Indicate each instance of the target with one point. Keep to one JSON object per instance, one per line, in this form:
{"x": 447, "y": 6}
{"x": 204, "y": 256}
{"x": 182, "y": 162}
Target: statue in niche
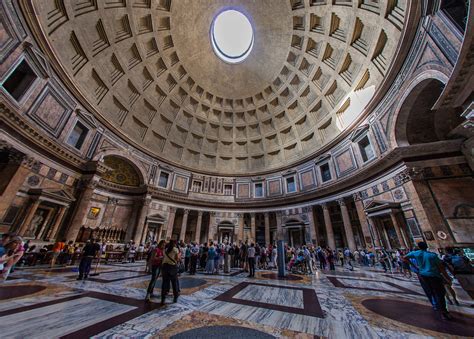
{"x": 36, "y": 223}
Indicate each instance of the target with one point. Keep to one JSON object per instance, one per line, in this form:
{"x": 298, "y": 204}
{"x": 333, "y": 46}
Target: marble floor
{"x": 51, "y": 303}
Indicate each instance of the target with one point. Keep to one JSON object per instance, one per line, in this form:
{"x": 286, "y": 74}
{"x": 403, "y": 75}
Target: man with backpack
{"x": 348, "y": 256}
{"x": 431, "y": 272}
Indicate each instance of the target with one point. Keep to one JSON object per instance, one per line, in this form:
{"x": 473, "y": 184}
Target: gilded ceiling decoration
{"x": 122, "y": 172}
{"x": 147, "y": 68}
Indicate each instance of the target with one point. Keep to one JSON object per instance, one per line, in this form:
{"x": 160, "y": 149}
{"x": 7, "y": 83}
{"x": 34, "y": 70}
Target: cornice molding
{"x": 33, "y": 135}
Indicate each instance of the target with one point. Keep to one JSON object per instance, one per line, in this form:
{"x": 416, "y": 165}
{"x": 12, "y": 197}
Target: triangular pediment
{"x": 322, "y": 158}
{"x": 377, "y": 205}
{"x": 87, "y": 118}
{"x": 157, "y": 218}
{"x": 359, "y": 132}
{"x": 53, "y": 195}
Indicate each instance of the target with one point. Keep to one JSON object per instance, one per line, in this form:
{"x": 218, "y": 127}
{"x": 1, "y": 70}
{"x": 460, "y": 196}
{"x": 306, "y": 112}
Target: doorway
{"x": 296, "y": 236}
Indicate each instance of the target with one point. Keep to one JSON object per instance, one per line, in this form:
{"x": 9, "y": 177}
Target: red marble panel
{"x": 344, "y": 161}
{"x": 244, "y": 190}
{"x": 307, "y": 179}
{"x": 274, "y": 187}
{"x": 180, "y": 183}
{"x": 50, "y": 111}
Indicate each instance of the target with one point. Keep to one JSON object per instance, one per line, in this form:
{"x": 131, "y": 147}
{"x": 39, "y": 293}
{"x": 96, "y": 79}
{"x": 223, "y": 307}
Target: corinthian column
{"x": 253, "y": 234}
{"x": 397, "y": 226}
{"x": 184, "y": 225}
{"x": 139, "y": 234}
{"x": 267, "y": 228}
{"x": 57, "y": 223}
{"x": 82, "y": 208}
{"x": 169, "y": 227}
{"x": 197, "y": 238}
{"x": 347, "y": 225}
{"x": 29, "y": 217}
{"x": 240, "y": 235}
{"x": 328, "y": 226}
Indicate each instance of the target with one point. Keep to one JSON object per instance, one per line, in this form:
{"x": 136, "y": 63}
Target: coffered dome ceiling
{"x": 147, "y": 69}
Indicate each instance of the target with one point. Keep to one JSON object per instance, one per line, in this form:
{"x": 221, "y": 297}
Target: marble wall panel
{"x": 50, "y": 111}
{"x": 455, "y": 199}
{"x": 180, "y": 183}
{"x": 274, "y": 187}
{"x": 121, "y": 216}
{"x": 307, "y": 179}
{"x": 243, "y": 190}
{"x": 8, "y": 39}
{"x": 345, "y": 162}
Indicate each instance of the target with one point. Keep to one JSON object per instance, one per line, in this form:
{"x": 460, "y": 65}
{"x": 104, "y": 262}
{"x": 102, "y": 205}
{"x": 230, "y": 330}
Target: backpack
{"x": 231, "y": 251}
{"x": 461, "y": 264}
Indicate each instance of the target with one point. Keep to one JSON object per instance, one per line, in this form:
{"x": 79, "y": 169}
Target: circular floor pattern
{"x": 421, "y": 316}
{"x": 276, "y": 277}
{"x": 10, "y": 292}
{"x": 219, "y": 332}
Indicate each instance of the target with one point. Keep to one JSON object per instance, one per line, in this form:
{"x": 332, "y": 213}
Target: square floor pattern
{"x": 274, "y": 297}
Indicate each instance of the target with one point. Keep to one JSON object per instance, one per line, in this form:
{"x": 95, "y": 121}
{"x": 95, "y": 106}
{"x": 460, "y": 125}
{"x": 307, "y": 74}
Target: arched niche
{"x": 416, "y": 122}
{"x": 123, "y": 171}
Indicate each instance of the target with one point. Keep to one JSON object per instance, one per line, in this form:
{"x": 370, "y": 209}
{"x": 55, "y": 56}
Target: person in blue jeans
{"x": 90, "y": 251}
{"x": 430, "y": 273}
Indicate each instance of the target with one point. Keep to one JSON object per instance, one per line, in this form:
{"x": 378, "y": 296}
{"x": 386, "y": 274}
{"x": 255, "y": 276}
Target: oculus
{"x": 232, "y": 36}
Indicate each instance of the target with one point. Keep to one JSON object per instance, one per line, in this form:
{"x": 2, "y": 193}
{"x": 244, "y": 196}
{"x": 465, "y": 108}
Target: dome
{"x": 149, "y": 71}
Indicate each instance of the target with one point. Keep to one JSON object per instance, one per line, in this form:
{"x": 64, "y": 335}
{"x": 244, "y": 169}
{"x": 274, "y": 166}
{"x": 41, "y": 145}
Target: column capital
{"x": 172, "y": 210}
{"x": 30, "y": 162}
{"x": 5, "y": 146}
{"x": 252, "y": 214}
{"x": 88, "y": 183}
{"x": 16, "y": 157}
{"x": 324, "y": 205}
{"x": 200, "y": 213}
{"x": 112, "y": 201}
{"x": 341, "y": 202}
{"x": 186, "y": 211}
{"x": 410, "y": 173}
{"x": 357, "y": 196}
{"x": 267, "y": 214}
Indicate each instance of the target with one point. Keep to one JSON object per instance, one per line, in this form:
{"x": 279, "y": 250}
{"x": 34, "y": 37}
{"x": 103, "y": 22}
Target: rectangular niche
{"x": 78, "y": 135}
{"x": 19, "y": 81}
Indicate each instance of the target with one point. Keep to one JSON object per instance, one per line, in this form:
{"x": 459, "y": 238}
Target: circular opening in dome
{"x": 232, "y": 36}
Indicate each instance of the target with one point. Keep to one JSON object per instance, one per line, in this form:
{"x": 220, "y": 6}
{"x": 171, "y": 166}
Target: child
{"x": 448, "y": 286}
{"x": 10, "y": 253}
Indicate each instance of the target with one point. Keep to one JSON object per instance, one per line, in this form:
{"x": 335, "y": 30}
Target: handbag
{"x": 180, "y": 268}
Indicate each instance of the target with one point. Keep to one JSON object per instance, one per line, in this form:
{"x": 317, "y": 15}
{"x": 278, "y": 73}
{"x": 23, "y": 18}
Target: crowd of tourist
{"x": 170, "y": 259}
{"x": 434, "y": 273}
